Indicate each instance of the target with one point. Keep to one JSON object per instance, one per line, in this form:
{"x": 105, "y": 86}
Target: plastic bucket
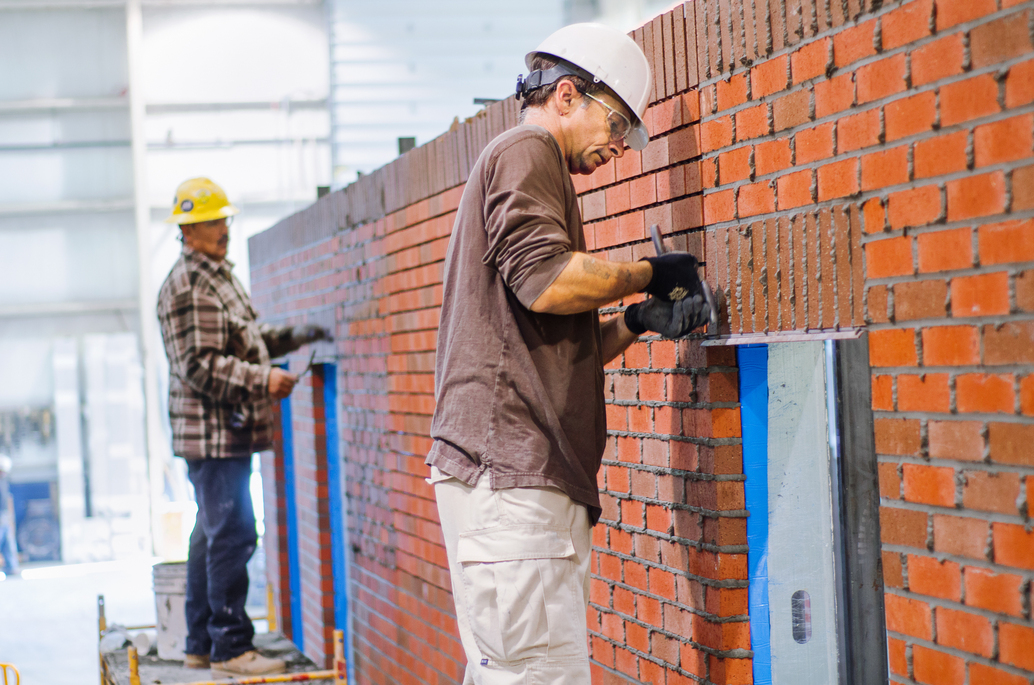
{"x": 170, "y": 596}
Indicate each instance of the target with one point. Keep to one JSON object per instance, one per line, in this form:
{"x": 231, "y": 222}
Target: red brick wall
{"x": 846, "y": 163}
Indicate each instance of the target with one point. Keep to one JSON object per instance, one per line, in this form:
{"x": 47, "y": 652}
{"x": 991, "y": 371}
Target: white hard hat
{"x": 5, "y": 463}
{"x": 611, "y": 57}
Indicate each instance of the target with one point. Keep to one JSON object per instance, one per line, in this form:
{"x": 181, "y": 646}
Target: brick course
{"x": 838, "y": 165}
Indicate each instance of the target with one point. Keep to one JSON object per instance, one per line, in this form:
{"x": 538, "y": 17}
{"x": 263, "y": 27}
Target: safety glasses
{"x": 618, "y": 122}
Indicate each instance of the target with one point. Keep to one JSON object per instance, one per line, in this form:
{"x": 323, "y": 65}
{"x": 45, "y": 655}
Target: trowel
{"x": 658, "y": 246}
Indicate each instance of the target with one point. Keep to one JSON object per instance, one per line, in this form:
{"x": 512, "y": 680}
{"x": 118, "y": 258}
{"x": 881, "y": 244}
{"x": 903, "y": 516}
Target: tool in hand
{"x": 308, "y": 368}
{"x": 658, "y": 246}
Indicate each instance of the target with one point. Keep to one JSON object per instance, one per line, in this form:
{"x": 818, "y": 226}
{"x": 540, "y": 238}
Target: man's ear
{"x": 565, "y": 97}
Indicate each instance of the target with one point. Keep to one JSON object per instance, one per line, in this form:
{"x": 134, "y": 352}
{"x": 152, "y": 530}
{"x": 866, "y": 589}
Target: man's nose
{"x": 617, "y": 147}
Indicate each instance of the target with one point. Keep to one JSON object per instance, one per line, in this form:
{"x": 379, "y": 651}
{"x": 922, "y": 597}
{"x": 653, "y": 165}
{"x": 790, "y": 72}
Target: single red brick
{"x": 1011, "y": 241}
{"x": 720, "y": 206}
{"x": 752, "y": 123}
{"x": 896, "y": 654}
{"x": 1000, "y": 40}
{"x": 897, "y": 436}
{"x": 1019, "y": 85}
{"x": 920, "y": 300}
{"x": 880, "y": 79}
{"x": 952, "y": 12}
{"x": 834, "y": 95}
{"x": 945, "y": 250}
{"x": 903, "y": 527}
{"x": 858, "y": 131}
{"x": 907, "y": 24}
{"x": 1001, "y": 593}
{"x": 928, "y": 576}
{"x": 1027, "y": 395}
{"x": 839, "y": 179}
{"x": 812, "y": 144}
{"x": 1003, "y": 141}
{"x": 810, "y": 61}
{"x": 950, "y": 346}
{"x": 772, "y": 156}
{"x": 929, "y": 392}
{"x": 991, "y": 491}
{"x": 716, "y": 134}
{"x": 970, "y": 99}
{"x": 874, "y": 216}
{"x": 937, "y": 668}
{"x": 757, "y": 198}
{"x": 883, "y": 393}
{"x": 965, "y": 537}
{"x": 1016, "y": 645}
{"x": 893, "y": 576}
{"x": 769, "y": 76}
{"x": 981, "y": 295}
{"x": 965, "y": 631}
{"x": 915, "y": 207}
{"x": 940, "y": 59}
{"x": 929, "y": 484}
{"x": 889, "y": 257}
{"x": 794, "y": 190}
{"x": 1024, "y": 284}
{"x": 1009, "y": 343}
{"x": 909, "y": 116}
{"x": 876, "y": 304}
{"x": 892, "y": 347}
{"x": 986, "y": 393}
{"x": 975, "y": 196}
{"x": 886, "y": 168}
{"x": 791, "y": 110}
{"x": 979, "y": 674}
{"x": 734, "y": 165}
{"x": 732, "y": 91}
{"x": 908, "y": 616}
{"x": 958, "y": 440}
{"x": 890, "y": 481}
{"x": 941, "y": 155}
{"x": 1010, "y": 444}
{"x": 853, "y": 44}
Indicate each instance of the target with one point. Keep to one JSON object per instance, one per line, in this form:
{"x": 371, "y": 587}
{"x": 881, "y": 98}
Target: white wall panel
{"x": 62, "y": 54}
{"x": 62, "y": 126}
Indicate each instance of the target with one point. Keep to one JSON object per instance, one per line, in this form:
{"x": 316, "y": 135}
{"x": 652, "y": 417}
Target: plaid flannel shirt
{"x": 219, "y": 361}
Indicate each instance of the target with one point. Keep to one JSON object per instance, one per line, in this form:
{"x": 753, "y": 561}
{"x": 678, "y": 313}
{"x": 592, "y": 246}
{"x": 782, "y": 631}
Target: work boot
{"x": 195, "y": 660}
{"x": 249, "y": 663}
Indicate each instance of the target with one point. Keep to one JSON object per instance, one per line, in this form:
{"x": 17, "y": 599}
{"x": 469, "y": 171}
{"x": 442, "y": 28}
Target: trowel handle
{"x": 655, "y": 233}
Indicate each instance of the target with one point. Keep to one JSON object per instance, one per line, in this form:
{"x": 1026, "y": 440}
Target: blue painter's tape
{"x": 338, "y": 529}
{"x": 291, "y": 502}
{"x": 753, "y": 366}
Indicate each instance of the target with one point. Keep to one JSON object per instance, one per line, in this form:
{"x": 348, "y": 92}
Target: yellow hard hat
{"x": 197, "y": 200}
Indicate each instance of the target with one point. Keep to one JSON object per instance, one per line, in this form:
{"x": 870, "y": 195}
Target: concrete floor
{"x": 48, "y": 617}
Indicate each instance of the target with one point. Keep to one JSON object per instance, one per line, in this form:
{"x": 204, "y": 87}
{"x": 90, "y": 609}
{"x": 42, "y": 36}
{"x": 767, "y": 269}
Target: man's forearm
{"x": 616, "y": 337}
{"x": 588, "y": 283}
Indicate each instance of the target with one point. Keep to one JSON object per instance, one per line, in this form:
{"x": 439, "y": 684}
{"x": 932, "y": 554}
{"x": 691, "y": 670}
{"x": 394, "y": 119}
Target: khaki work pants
{"x": 519, "y": 561}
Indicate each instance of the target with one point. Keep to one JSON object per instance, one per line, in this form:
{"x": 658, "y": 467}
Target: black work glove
{"x": 670, "y": 319}
{"x": 303, "y": 335}
{"x": 674, "y": 276}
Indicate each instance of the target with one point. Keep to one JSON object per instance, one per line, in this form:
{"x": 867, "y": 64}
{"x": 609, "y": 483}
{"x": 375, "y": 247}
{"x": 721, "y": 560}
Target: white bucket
{"x": 170, "y": 597}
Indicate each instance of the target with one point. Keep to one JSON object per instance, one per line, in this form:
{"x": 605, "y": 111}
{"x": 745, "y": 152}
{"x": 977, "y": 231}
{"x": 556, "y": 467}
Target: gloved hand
{"x": 670, "y": 319}
{"x": 302, "y": 335}
{"x": 674, "y": 276}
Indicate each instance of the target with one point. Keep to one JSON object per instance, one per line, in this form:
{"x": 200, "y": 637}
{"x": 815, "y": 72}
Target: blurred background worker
{"x": 8, "y": 544}
{"x": 519, "y": 427}
{"x": 221, "y": 393}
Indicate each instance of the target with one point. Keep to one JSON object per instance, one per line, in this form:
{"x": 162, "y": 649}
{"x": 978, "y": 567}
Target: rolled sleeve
{"x": 528, "y": 242}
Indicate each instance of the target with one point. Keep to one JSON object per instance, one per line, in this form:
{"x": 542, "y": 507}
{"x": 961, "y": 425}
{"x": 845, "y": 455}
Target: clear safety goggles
{"x": 618, "y": 122}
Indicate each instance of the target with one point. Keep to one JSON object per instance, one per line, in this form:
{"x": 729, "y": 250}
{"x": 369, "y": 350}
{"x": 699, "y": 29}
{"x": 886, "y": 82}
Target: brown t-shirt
{"x": 519, "y": 394}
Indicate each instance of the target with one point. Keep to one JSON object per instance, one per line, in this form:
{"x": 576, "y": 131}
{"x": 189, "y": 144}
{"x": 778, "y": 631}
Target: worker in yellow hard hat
{"x": 222, "y": 388}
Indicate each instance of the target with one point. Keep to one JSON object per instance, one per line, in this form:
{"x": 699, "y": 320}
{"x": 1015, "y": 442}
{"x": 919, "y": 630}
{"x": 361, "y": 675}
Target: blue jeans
{"x": 8, "y": 548}
{"x": 223, "y": 540}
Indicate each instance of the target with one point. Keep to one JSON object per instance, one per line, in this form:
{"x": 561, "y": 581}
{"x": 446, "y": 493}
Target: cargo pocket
{"x": 524, "y": 593}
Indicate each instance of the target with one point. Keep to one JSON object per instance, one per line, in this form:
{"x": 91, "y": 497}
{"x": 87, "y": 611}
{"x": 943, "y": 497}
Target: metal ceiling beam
{"x": 67, "y": 207}
{"x": 61, "y": 104}
{"x": 191, "y": 107}
{"x": 62, "y": 308}
{"x": 64, "y": 5}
